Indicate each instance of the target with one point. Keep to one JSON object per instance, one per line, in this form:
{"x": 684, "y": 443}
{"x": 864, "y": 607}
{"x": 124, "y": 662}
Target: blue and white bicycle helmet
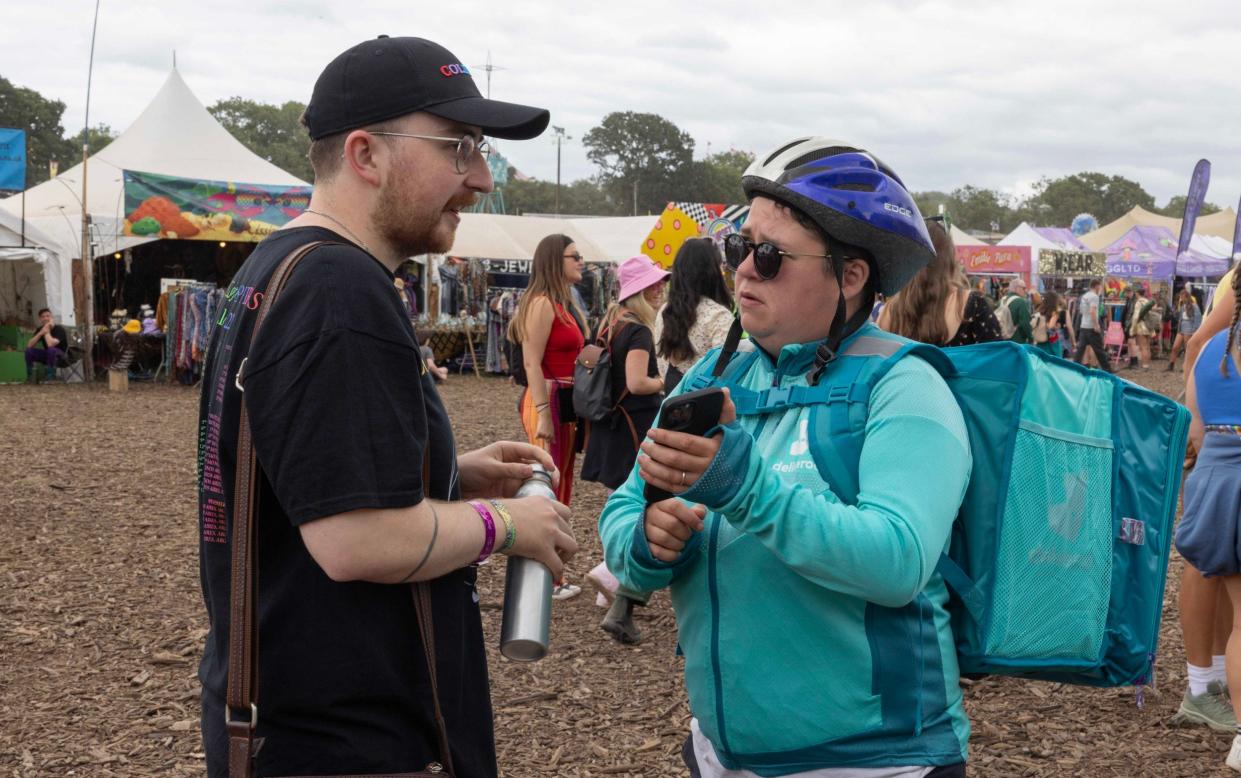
{"x": 853, "y": 197}
{"x": 856, "y": 201}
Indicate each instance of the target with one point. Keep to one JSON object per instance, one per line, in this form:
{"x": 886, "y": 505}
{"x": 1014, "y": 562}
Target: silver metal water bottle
{"x": 524, "y": 632}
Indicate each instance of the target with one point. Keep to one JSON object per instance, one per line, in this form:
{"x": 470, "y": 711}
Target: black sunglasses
{"x": 767, "y": 257}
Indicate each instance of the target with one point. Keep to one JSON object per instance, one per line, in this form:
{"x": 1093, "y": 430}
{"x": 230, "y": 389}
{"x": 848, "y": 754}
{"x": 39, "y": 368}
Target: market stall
{"x": 1146, "y": 256}
{"x": 175, "y": 195}
{"x": 990, "y": 268}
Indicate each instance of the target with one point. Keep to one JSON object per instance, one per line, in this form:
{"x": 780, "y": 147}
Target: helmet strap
{"x": 841, "y": 327}
{"x": 730, "y": 347}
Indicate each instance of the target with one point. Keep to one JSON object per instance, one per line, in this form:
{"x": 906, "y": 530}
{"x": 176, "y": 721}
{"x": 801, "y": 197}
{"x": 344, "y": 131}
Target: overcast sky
{"x": 994, "y": 93}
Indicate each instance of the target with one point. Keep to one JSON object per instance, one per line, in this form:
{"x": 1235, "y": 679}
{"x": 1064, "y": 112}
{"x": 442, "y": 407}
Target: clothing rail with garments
{"x": 186, "y": 314}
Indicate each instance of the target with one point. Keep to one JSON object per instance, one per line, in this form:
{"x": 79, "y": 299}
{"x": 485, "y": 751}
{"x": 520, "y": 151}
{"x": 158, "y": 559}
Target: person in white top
{"x": 698, "y": 313}
{"x": 1088, "y": 332}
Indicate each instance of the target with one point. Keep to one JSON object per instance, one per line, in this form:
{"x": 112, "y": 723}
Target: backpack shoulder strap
{"x": 841, "y": 424}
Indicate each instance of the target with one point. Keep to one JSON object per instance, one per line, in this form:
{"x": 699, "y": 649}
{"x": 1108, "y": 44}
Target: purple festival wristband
{"x": 489, "y": 526}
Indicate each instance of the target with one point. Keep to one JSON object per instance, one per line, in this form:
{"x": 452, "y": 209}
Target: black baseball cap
{"x": 387, "y": 77}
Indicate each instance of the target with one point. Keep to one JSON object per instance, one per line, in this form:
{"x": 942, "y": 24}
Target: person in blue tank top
{"x": 814, "y": 628}
{"x": 1208, "y": 536}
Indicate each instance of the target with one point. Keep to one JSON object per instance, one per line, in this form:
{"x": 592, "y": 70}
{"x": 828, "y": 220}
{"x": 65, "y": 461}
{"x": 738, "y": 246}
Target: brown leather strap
{"x": 616, "y": 406}
{"x": 243, "y": 639}
{"x": 426, "y": 627}
{"x": 633, "y": 431}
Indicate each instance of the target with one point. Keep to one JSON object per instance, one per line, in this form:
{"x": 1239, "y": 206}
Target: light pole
{"x": 88, "y": 262}
{"x": 558, "y": 133}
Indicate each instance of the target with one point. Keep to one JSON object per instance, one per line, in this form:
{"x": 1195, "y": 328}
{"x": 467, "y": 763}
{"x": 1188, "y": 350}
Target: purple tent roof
{"x": 1150, "y": 252}
{"x": 1062, "y": 236}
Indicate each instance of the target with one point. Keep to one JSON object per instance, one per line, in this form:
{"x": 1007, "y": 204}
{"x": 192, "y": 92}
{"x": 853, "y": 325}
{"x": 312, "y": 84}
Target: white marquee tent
{"x": 604, "y": 239}
{"x": 173, "y": 136}
{"x": 31, "y": 275}
{"x": 1037, "y": 239}
{"x": 962, "y": 238}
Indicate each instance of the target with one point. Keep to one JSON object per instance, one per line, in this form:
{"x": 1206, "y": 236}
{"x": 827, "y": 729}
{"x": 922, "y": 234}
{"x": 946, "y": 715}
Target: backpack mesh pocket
{"x": 1053, "y": 569}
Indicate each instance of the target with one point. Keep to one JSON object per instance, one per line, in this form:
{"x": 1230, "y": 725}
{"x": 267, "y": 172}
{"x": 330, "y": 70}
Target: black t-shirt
{"x": 630, "y": 336}
{"x": 57, "y": 332}
{"x": 341, "y": 410}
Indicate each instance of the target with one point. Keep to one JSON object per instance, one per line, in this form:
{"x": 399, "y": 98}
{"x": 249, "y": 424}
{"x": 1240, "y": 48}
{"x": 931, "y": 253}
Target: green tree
{"x": 929, "y": 202}
{"x": 639, "y": 156}
{"x": 983, "y": 210}
{"x": 580, "y": 198}
{"x": 714, "y": 179}
{"x": 274, "y": 132}
{"x": 1176, "y": 208}
{"x": 99, "y": 136}
{"x": 26, "y": 109}
{"x": 1057, "y": 201}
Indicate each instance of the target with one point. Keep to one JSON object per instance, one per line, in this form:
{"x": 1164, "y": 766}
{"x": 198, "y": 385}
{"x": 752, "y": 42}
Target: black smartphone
{"x": 693, "y": 413}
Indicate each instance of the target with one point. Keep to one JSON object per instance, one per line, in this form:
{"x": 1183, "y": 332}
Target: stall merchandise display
{"x": 188, "y": 313}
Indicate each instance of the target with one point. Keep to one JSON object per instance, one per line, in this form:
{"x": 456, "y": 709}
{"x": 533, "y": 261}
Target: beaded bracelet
{"x": 510, "y": 529}
{"x": 489, "y": 526}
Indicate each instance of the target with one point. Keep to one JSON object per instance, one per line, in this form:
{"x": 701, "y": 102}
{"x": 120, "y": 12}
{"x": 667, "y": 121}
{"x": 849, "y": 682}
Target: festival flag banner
{"x": 1198, "y": 183}
{"x": 681, "y": 221}
{"x": 159, "y": 206}
{"x": 984, "y": 260}
{"x": 1072, "y": 264}
{"x": 12, "y": 159}
{"x": 1236, "y": 238}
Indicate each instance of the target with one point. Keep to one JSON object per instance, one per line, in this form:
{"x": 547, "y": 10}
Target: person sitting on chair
{"x": 49, "y": 345}
{"x": 438, "y": 372}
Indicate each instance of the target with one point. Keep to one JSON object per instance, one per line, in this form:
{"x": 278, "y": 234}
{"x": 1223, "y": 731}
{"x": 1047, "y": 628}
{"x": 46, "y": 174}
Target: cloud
{"x": 950, "y": 92}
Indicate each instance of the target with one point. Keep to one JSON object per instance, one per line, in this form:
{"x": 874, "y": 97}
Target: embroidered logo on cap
{"x": 454, "y": 70}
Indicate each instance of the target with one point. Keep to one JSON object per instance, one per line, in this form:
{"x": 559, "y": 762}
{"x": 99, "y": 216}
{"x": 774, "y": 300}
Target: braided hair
{"x": 1232, "y": 325}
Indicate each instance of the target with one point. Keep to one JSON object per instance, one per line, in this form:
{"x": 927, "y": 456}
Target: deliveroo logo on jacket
{"x": 802, "y": 444}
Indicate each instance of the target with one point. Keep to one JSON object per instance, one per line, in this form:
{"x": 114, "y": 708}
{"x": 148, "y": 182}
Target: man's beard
{"x": 410, "y": 231}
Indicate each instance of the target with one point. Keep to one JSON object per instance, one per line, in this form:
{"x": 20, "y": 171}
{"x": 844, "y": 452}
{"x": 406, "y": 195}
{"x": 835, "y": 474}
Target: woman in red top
{"x": 549, "y": 326}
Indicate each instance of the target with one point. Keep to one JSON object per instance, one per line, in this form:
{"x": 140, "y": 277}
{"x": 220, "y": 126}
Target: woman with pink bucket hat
{"x": 612, "y": 446}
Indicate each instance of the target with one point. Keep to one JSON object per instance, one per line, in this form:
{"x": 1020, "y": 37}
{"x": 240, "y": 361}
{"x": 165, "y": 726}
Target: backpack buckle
{"x": 775, "y": 397}
{"x": 839, "y": 393}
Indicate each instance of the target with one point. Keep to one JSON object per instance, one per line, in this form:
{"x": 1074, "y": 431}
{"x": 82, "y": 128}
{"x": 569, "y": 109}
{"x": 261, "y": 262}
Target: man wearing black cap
{"x": 359, "y": 486}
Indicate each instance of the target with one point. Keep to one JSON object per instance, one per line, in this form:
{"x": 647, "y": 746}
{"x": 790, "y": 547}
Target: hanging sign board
{"x": 984, "y": 260}
{"x": 1072, "y": 264}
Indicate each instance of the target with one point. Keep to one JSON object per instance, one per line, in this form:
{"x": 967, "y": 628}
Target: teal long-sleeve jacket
{"x": 815, "y": 632}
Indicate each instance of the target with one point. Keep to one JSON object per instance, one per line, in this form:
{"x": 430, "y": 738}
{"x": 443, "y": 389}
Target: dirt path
{"x": 101, "y": 623}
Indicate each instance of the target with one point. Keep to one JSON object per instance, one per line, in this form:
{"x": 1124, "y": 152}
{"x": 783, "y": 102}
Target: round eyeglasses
{"x": 466, "y": 145}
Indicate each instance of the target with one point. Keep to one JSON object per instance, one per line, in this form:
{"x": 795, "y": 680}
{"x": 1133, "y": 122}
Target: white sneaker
{"x": 1234, "y": 754}
{"x": 566, "y": 591}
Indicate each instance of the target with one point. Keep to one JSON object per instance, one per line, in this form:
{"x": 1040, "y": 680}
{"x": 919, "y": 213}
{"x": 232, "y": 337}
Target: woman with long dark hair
{"x": 698, "y": 313}
{"x": 551, "y": 330}
{"x": 1046, "y": 325}
{"x": 937, "y": 306}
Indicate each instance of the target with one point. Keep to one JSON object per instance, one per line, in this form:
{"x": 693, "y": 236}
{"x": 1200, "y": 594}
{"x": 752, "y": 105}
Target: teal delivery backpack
{"x": 1060, "y": 551}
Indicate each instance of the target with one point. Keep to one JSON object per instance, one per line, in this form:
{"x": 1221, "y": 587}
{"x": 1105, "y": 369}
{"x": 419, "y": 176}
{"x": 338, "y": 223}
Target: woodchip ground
{"x": 101, "y": 622}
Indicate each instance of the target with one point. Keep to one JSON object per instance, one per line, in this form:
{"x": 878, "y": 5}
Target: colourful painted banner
{"x": 167, "y": 207}
{"x": 983, "y": 260}
{"x": 681, "y": 221}
{"x": 1072, "y": 264}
